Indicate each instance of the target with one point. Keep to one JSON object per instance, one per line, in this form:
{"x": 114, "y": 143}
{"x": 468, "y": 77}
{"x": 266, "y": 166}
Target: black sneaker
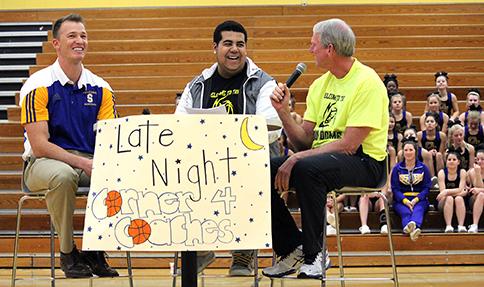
{"x": 99, "y": 266}
{"x": 73, "y": 266}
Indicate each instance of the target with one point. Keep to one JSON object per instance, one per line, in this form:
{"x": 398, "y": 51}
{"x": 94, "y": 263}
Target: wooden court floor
{"x": 441, "y": 276}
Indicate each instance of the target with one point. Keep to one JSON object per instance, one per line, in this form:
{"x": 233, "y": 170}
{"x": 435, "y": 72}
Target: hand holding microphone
{"x": 282, "y": 90}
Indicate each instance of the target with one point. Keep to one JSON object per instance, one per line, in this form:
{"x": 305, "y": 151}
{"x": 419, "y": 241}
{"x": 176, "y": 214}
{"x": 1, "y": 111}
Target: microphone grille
{"x": 301, "y": 67}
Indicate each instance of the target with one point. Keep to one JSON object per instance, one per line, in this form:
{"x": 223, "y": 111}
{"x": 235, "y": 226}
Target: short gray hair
{"x": 336, "y": 32}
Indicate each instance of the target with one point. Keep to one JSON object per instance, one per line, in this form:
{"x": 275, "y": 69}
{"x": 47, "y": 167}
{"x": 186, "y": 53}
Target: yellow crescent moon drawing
{"x": 246, "y": 140}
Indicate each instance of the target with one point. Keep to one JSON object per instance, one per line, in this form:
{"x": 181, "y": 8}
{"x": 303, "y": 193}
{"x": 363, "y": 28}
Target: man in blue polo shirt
{"x": 60, "y": 105}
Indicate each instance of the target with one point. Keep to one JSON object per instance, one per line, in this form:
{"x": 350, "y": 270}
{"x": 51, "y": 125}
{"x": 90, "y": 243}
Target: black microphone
{"x": 300, "y": 68}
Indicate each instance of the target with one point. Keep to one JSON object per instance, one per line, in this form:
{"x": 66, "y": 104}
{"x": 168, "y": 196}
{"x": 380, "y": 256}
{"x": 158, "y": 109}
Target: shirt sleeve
{"x": 108, "y": 106}
{"x": 370, "y": 99}
{"x": 34, "y": 106}
{"x": 395, "y": 184}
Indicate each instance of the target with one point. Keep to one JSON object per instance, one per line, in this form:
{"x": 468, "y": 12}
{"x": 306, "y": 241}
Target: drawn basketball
{"x": 113, "y": 202}
{"x": 140, "y": 230}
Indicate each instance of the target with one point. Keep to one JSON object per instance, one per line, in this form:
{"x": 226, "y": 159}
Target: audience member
{"x": 60, "y": 105}
{"x": 410, "y": 182}
{"x": 433, "y": 141}
{"x": 433, "y": 106}
{"x": 457, "y": 143}
{"x": 473, "y": 103}
{"x": 448, "y": 101}
{"x": 391, "y": 83}
{"x": 452, "y": 186}
{"x": 344, "y": 131}
{"x": 403, "y": 118}
{"x": 476, "y": 201}
{"x": 423, "y": 155}
{"x": 473, "y": 130}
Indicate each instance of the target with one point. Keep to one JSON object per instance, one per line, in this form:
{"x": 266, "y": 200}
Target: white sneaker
{"x": 315, "y": 270}
{"x": 409, "y": 227}
{"x": 330, "y": 230}
{"x": 331, "y": 219}
{"x": 384, "y": 229}
{"x": 461, "y": 228}
{"x": 286, "y": 264}
{"x": 415, "y": 234}
{"x": 449, "y": 229}
{"x": 473, "y": 228}
{"x": 364, "y": 229}
{"x": 353, "y": 209}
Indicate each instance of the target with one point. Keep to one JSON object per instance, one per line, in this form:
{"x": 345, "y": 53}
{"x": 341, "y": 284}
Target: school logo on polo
{"x": 89, "y": 100}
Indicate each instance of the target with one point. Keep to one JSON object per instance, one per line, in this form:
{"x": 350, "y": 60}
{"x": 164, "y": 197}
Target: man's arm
{"x": 38, "y": 134}
{"x": 349, "y": 143}
{"x": 300, "y": 136}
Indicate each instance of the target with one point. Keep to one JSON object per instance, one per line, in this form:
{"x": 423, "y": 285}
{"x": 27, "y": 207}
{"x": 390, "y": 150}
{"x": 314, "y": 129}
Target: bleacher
{"x": 149, "y": 54}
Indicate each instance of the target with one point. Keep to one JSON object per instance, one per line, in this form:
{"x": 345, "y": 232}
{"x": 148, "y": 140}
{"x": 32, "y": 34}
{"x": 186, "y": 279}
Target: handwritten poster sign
{"x": 175, "y": 183}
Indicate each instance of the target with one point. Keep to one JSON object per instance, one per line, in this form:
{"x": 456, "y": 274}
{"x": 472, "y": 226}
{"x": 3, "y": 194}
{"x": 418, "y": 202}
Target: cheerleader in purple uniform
{"x": 410, "y": 182}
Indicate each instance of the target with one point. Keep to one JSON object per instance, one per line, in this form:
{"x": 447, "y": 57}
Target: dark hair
{"x": 390, "y": 78}
{"x": 474, "y": 90}
{"x": 480, "y": 148}
{"x": 228, "y": 26}
{"x": 58, "y": 23}
{"x": 441, "y": 73}
{"x": 454, "y": 151}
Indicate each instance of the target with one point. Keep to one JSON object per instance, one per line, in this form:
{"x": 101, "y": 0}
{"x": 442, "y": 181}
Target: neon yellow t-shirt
{"x": 359, "y": 99}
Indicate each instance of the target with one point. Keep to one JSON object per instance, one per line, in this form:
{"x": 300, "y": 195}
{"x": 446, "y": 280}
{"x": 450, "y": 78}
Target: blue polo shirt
{"x": 71, "y": 110}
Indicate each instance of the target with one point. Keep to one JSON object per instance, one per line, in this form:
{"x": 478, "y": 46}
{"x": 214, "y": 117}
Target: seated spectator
{"x": 423, "y": 155}
{"x": 476, "y": 192}
{"x": 473, "y": 130}
{"x": 433, "y": 140}
{"x": 394, "y": 137}
{"x": 391, "y": 83}
{"x": 457, "y": 143}
{"x": 448, "y": 101}
{"x": 473, "y": 103}
{"x": 330, "y": 210}
{"x": 403, "y": 118}
{"x": 410, "y": 182}
{"x": 452, "y": 183}
{"x": 433, "y": 106}
{"x": 373, "y": 202}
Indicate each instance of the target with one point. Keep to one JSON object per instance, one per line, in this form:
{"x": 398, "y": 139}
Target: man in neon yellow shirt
{"x": 342, "y": 141}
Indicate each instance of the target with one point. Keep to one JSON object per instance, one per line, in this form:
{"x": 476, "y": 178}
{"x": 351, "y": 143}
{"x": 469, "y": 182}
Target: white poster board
{"x": 179, "y": 182}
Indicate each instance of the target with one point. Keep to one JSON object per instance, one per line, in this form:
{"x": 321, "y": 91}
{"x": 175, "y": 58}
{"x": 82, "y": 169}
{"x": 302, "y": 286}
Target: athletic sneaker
{"x": 461, "y": 228}
{"x": 384, "y": 229}
{"x": 315, "y": 270}
{"x": 364, "y": 229}
{"x": 415, "y": 234}
{"x": 449, "y": 229}
{"x": 409, "y": 227}
{"x": 287, "y": 264}
{"x": 330, "y": 230}
{"x": 242, "y": 263}
{"x": 473, "y": 228}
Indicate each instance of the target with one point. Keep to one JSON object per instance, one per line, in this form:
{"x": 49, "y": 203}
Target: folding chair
{"x": 353, "y": 190}
{"x": 256, "y": 271}
{"x": 81, "y": 192}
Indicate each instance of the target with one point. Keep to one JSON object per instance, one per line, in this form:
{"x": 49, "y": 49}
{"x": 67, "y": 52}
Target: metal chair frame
{"x": 81, "y": 192}
{"x": 350, "y": 190}
{"x": 257, "y": 278}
